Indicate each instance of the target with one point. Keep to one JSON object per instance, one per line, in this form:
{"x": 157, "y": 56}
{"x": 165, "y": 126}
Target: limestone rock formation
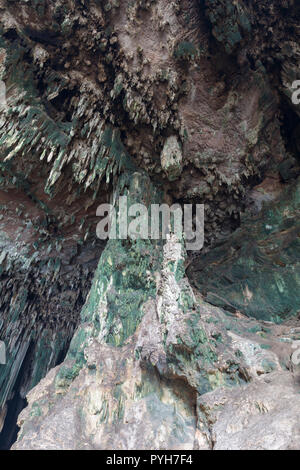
{"x": 258, "y": 270}
{"x": 171, "y": 158}
{"x": 163, "y": 388}
{"x": 137, "y": 343}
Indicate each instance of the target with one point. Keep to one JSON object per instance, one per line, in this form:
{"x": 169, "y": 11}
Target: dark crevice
{"x": 290, "y": 125}
{"x": 9, "y": 434}
{"x": 44, "y": 37}
{"x": 11, "y": 35}
{"x": 17, "y": 403}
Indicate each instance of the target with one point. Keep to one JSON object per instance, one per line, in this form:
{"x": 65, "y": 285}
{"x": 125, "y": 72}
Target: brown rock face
{"x": 182, "y": 101}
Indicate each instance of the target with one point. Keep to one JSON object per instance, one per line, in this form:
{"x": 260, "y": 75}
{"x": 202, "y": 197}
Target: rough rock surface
{"x": 154, "y": 392}
{"x": 258, "y": 270}
{"x": 184, "y": 101}
{"x": 260, "y": 416}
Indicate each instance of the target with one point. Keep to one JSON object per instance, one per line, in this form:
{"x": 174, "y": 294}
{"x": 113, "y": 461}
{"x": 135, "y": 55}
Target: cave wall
{"x": 191, "y": 100}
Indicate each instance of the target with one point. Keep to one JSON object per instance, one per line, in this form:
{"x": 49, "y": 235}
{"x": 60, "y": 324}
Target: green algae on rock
{"x": 185, "y": 101}
{"x": 257, "y": 271}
